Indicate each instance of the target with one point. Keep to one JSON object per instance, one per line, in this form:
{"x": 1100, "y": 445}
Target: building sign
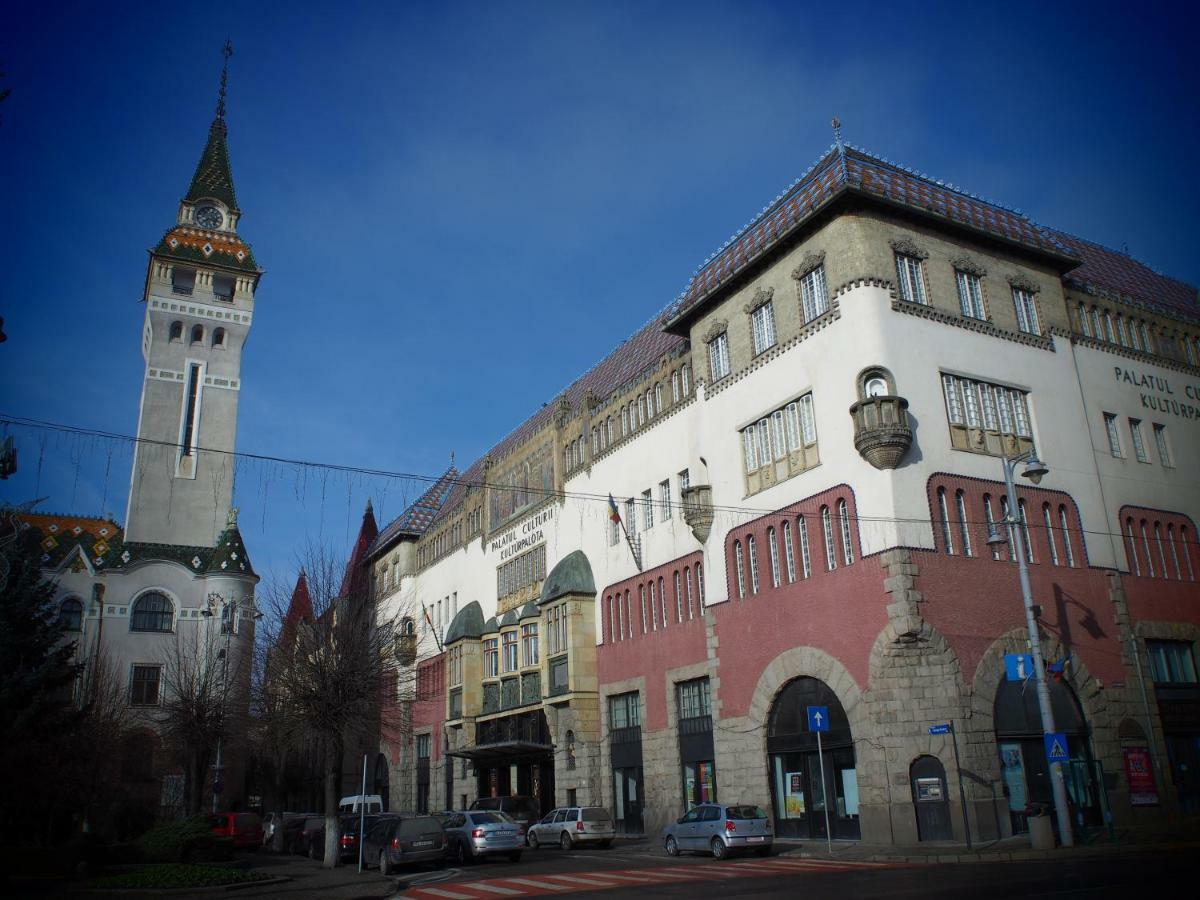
{"x": 527, "y": 535}
{"x": 1139, "y": 774}
{"x": 1158, "y": 394}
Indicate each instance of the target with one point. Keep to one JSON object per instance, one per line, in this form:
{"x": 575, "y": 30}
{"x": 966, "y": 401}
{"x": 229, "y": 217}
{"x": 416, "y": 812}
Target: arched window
{"x": 991, "y": 523}
{"x": 960, "y": 502}
{"x": 805, "y": 552}
{"x": 675, "y": 386}
{"x": 662, "y": 601}
{"x": 844, "y": 520}
{"x": 1174, "y": 552}
{"x": 1133, "y": 553}
{"x": 944, "y": 514}
{"x": 407, "y": 627}
{"x": 653, "y": 608}
{"x": 678, "y": 598}
{"x": 570, "y": 749}
{"x": 628, "y": 616}
{"x": 1146, "y": 547}
{"x": 658, "y": 395}
{"x": 1162, "y": 557}
{"x": 1050, "y": 533}
{"x": 827, "y": 529}
{"x": 153, "y": 611}
{"x": 700, "y": 584}
{"x": 686, "y": 379}
{"x": 1066, "y": 535}
{"x": 177, "y": 331}
{"x": 197, "y": 334}
{"x": 687, "y": 583}
{"x": 773, "y": 550}
{"x": 1187, "y": 554}
{"x": 752, "y": 552}
{"x": 739, "y": 561}
{"x": 219, "y": 337}
{"x": 70, "y": 614}
{"x": 1025, "y": 531}
{"x": 789, "y": 554}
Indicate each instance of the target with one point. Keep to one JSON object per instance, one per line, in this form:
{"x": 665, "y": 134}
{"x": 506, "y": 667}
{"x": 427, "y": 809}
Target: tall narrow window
{"x": 218, "y": 339}
{"x": 1084, "y": 325}
{"x": 991, "y": 523}
{"x": 773, "y": 551}
{"x": 750, "y": 448}
{"x": 789, "y": 555}
{"x": 700, "y": 584}
{"x": 1027, "y": 316}
{"x": 1184, "y": 545}
{"x": 648, "y": 509}
{"x": 1114, "y": 437}
{"x": 1174, "y": 552}
{"x": 808, "y": 421}
{"x": 1097, "y": 325}
{"x": 1133, "y": 551}
{"x": 658, "y": 399}
{"x": 718, "y": 356}
{"x": 686, "y": 379}
{"x": 628, "y": 617}
{"x": 827, "y": 532}
{"x": 960, "y": 502}
{"x": 685, "y": 482}
{"x": 631, "y": 516}
{"x": 645, "y": 615}
{"x": 944, "y": 514}
{"x": 762, "y": 327}
{"x": 664, "y": 498}
{"x": 1139, "y": 446}
{"x": 675, "y": 386}
{"x": 805, "y": 553}
{"x": 176, "y": 333}
{"x": 970, "y": 295}
{"x": 912, "y": 284}
{"x": 1164, "y": 449}
{"x": 678, "y": 598}
{"x": 1064, "y": 521}
{"x": 1109, "y": 331}
{"x": 662, "y": 601}
{"x": 814, "y": 296}
{"x": 197, "y": 334}
{"x": 1025, "y": 531}
{"x": 953, "y": 401}
{"x": 1146, "y": 547}
{"x": 624, "y": 421}
{"x": 752, "y": 552}
{"x": 1050, "y": 533}
{"x": 1134, "y": 336}
{"x": 653, "y": 608}
{"x": 739, "y": 561}
{"x": 1162, "y": 556}
{"x": 1147, "y": 339}
{"x": 191, "y": 411}
{"x": 844, "y": 522}
{"x": 687, "y": 585}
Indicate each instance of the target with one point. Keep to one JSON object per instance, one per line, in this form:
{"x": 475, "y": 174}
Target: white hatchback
{"x": 568, "y": 826}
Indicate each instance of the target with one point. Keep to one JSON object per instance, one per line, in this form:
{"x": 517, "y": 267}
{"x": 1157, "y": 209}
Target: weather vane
{"x": 226, "y": 51}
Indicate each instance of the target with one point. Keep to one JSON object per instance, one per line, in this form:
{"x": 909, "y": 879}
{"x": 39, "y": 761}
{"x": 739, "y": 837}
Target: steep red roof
{"x": 356, "y": 582}
{"x": 300, "y": 609}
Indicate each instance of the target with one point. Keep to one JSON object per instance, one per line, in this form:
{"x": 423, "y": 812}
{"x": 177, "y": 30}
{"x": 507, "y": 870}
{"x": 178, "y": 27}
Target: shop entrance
{"x": 513, "y": 756}
{"x": 799, "y": 793}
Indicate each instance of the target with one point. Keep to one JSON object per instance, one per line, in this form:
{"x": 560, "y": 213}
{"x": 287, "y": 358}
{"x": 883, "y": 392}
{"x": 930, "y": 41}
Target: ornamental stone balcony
{"x": 882, "y": 434}
{"x": 698, "y": 510}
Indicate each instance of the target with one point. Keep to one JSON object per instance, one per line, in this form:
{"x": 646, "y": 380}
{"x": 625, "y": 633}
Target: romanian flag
{"x": 613, "y": 512}
{"x": 428, "y": 620}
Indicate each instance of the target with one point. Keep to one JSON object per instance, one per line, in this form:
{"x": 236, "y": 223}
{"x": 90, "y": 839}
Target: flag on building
{"x": 613, "y": 512}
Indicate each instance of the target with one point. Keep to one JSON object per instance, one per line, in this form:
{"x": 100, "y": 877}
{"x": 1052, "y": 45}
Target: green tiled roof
{"x": 214, "y": 177}
{"x": 220, "y": 256}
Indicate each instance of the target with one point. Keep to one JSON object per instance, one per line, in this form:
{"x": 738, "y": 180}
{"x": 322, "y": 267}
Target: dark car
{"x": 477, "y": 833}
{"x": 398, "y": 840}
{"x": 310, "y": 841}
{"x": 348, "y": 834}
{"x": 521, "y": 809}
{"x": 288, "y": 836}
{"x": 245, "y": 828}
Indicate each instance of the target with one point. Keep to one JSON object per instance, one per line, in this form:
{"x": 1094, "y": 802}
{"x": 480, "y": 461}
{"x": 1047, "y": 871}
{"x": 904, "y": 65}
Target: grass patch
{"x": 178, "y": 875}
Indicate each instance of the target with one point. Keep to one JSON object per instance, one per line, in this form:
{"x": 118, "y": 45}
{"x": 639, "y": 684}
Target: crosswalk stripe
{"x": 449, "y": 895}
{"x": 624, "y": 877}
{"x": 597, "y": 881}
{"x": 545, "y": 885}
{"x": 494, "y": 888}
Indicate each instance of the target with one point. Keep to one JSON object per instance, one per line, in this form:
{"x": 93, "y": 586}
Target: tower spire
{"x": 226, "y": 51}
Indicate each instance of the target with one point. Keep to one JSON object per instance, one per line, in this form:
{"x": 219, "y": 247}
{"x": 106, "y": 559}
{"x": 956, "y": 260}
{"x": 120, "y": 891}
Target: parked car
{"x": 571, "y": 825}
{"x": 519, "y": 808}
{"x": 310, "y": 841}
{"x": 397, "y": 840}
{"x": 373, "y": 803}
{"x": 348, "y": 834}
{"x": 720, "y": 829}
{"x": 290, "y": 833}
{"x": 477, "y": 833}
{"x": 244, "y": 827}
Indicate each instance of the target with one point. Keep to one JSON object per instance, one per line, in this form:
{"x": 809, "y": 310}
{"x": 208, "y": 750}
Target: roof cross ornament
{"x": 226, "y": 51}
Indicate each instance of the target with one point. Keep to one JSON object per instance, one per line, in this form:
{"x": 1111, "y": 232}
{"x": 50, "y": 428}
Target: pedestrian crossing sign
{"x": 1056, "y": 747}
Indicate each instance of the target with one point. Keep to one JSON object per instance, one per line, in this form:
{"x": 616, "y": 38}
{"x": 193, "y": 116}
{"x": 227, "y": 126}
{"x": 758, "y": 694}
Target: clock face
{"x": 209, "y": 217}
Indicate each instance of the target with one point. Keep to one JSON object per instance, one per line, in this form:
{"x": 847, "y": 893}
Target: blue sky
{"x": 462, "y": 207}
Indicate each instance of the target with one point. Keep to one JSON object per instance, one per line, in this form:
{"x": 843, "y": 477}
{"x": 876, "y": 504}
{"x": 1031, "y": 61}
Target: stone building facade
{"x": 787, "y": 491}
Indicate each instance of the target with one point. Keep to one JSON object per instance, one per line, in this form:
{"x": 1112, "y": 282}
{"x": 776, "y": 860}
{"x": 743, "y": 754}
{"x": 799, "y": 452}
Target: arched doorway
{"x": 383, "y": 781}
{"x": 799, "y": 795}
{"x": 931, "y": 799}
{"x": 1023, "y": 765}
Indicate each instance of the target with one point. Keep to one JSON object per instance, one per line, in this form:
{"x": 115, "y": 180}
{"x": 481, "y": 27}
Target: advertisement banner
{"x": 1139, "y": 774}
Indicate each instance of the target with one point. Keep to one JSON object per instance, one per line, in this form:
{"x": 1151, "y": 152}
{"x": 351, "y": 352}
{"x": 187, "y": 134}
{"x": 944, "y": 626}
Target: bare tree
{"x": 329, "y": 681}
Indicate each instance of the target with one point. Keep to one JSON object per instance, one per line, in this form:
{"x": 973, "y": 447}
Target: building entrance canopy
{"x": 504, "y": 752}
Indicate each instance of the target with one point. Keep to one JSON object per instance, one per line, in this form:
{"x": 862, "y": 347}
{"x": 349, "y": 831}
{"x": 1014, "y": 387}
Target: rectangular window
{"x": 785, "y": 431}
{"x": 814, "y": 296}
{"x": 424, "y": 745}
{"x": 808, "y": 421}
{"x": 970, "y": 295}
{"x": 631, "y": 516}
{"x": 1171, "y": 662}
{"x": 1139, "y": 446}
{"x": 648, "y": 510}
{"x": 191, "y": 411}
{"x": 693, "y": 699}
{"x": 624, "y": 711}
{"x": 511, "y": 663}
{"x": 664, "y": 498}
{"x": 685, "y": 481}
{"x": 995, "y": 409}
{"x": 911, "y": 280}
{"x": 1114, "y": 437}
{"x": 762, "y": 327}
{"x": 1027, "y": 316}
{"x": 143, "y": 685}
{"x": 517, "y": 574}
{"x": 491, "y": 658}
{"x": 718, "y": 356}
{"x": 456, "y": 665}
{"x": 1147, "y": 340}
{"x": 1084, "y": 325}
{"x": 1164, "y": 449}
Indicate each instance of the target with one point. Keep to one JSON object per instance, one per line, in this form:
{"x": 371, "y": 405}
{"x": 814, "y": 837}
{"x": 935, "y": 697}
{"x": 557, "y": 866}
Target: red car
{"x": 245, "y": 828}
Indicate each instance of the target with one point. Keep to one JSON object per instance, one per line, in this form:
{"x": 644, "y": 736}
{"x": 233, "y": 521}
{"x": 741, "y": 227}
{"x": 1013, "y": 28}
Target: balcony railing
{"x": 183, "y": 290}
{"x": 630, "y": 735}
{"x": 695, "y": 725}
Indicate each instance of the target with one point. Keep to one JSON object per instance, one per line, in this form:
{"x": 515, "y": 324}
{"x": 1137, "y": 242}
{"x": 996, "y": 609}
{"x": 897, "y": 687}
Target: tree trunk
{"x": 333, "y": 786}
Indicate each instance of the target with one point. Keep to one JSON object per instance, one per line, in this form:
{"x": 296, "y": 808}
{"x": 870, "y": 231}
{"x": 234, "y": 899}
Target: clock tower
{"x": 199, "y": 297}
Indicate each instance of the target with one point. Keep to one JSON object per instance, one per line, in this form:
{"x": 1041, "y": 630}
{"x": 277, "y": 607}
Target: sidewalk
{"x": 1124, "y": 840}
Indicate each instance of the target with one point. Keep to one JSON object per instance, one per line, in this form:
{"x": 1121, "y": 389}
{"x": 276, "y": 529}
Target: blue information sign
{"x": 1018, "y": 666}
{"x": 940, "y": 729}
{"x": 1056, "y": 747}
{"x": 818, "y": 718}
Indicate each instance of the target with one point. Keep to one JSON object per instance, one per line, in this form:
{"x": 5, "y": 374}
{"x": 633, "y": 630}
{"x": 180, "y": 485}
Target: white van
{"x": 372, "y": 802}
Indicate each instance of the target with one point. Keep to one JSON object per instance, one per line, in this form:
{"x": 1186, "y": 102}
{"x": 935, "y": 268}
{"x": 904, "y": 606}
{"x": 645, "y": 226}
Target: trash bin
{"x": 1041, "y": 830}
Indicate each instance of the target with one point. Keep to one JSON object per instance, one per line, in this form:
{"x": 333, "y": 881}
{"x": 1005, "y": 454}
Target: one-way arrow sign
{"x": 818, "y": 718}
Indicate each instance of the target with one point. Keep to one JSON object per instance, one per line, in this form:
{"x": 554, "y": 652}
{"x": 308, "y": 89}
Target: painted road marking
{"x": 449, "y": 895}
{"x": 494, "y": 888}
{"x": 588, "y": 881}
{"x": 544, "y": 885}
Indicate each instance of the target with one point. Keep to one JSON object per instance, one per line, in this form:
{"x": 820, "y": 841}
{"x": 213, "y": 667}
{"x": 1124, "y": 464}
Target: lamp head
{"x": 1034, "y": 469}
{"x": 995, "y": 538}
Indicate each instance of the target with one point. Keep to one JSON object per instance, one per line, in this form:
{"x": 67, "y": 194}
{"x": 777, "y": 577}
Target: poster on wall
{"x": 793, "y": 803}
{"x": 1012, "y": 764}
{"x": 1139, "y": 774}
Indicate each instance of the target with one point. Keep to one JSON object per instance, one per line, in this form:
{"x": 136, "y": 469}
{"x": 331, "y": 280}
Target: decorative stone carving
{"x": 905, "y": 246}
{"x": 562, "y": 411}
{"x": 591, "y": 400}
{"x": 968, "y": 265}
{"x": 882, "y": 434}
{"x": 1024, "y": 283}
{"x": 716, "y": 328}
{"x": 762, "y": 296}
{"x": 810, "y": 262}
{"x": 405, "y": 649}
{"x": 698, "y": 510}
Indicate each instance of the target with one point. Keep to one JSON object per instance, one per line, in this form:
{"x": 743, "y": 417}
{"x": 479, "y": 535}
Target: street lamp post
{"x": 1034, "y": 470}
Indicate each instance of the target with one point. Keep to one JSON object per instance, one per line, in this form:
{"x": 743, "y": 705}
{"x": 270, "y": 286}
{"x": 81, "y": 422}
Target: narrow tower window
{"x": 191, "y": 411}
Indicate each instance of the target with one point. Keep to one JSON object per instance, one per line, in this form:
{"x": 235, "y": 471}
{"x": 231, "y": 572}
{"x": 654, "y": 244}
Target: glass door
{"x": 627, "y": 797}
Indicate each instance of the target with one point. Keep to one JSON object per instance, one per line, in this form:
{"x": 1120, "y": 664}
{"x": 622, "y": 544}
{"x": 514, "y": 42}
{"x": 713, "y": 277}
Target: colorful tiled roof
{"x": 101, "y": 540}
{"x": 416, "y": 518}
{"x": 1106, "y": 271}
{"x": 214, "y": 248}
{"x": 214, "y": 175}
{"x": 845, "y": 169}
{"x": 357, "y": 578}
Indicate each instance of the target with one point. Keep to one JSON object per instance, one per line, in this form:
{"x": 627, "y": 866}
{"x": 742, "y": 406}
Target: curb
{"x": 213, "y": 889}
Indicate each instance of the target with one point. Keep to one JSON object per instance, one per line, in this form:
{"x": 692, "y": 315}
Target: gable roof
{"x": 356, "y": 580}
{"x": 300, "y": 609}
{"x": 417, "y": 516}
